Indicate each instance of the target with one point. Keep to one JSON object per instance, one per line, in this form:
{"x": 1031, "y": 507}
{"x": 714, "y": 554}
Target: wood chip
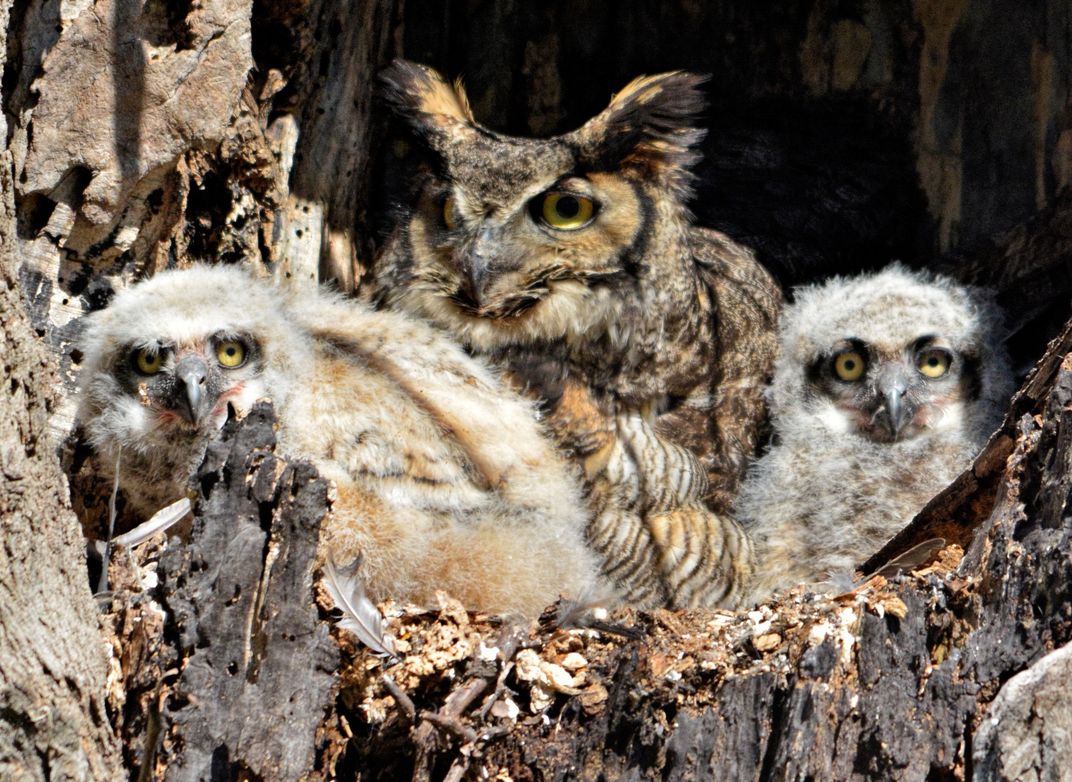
{"x": 767, "y": 642}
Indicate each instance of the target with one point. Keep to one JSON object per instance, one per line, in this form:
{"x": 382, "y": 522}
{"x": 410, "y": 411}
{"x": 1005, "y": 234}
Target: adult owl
{"x": 409, "y": 427}
{"x": 885, "y": 388}
{"x": 574, "y": 263}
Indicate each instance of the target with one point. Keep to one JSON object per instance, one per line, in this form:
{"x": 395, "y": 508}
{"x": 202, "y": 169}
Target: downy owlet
{"x": 885, "y": 388}
{"x": 444, "y": 479}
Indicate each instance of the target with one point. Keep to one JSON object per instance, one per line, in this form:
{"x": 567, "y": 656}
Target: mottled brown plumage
{"x": 573, "y": 263}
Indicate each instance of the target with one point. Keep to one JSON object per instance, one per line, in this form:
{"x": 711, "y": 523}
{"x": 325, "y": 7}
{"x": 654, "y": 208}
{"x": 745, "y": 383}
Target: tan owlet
{"x": 885, "y": 388}
{"x": 444, "y": 479}
{"x": 573, "y": 262}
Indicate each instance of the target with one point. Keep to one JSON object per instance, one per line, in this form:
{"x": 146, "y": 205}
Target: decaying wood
{"x": 325, "y": 225}
{"x": 54, "y": 668}
{"x": 241, "y": 670}
{"x": 257, "y": 674}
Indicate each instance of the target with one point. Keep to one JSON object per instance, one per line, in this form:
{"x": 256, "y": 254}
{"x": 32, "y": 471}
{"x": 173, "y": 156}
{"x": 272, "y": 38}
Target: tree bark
{"x": 54, "y": 667}
{"x": 54, "y": 670}
{"x": 256, "y": 662}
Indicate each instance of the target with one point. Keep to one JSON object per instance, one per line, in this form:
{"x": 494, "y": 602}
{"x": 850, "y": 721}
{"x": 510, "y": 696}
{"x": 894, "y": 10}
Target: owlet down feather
{"x": 409, "y": 428}
{"x": 885, "y": 388}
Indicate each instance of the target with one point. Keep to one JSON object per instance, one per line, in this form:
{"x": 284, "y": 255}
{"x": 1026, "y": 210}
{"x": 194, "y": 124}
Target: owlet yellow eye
{"x": 450, "y": 213}
{"x": 230, "y": 354}
{"x": 933, "y": 363}
{"x": 148, "y": 361}
{"x": 566, "y": 211}
{"x": 849, "y": 365}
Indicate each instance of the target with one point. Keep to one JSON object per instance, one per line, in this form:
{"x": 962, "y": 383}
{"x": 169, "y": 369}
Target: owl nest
{"x": 465, "y": 680}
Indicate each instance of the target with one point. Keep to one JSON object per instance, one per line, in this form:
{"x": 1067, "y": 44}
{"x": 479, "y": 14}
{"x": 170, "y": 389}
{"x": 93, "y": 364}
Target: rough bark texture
{"x": 140, "y": 135}
{"x": 1026, "y": 731}
{"x": 327, "y": 208}
{"x": 54, "y": 667}
{"x": 129, "y": 91}
{"x": 227, "y": 669}
{"x": 256, "y": 661}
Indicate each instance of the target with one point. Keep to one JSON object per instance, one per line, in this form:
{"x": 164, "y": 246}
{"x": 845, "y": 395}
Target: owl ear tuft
{"x": 433, "y": 107}
{"x": 651, "y": 124}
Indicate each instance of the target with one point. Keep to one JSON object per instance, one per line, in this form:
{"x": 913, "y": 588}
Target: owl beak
{"x": 475, "y": 270}
{"x": 474, "y": 266}
{"x": 893, "y": 385}
{"x": 191, "y": 402}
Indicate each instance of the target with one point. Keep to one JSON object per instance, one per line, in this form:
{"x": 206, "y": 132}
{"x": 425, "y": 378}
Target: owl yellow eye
{"x": 450, "y": 214}
{"x": 933, "y": 363}
{"x": 566, "y": 211}
{"x": 230, "y": 354}
{"x": 148, "y": 360}
{"x": 849, "y": 365}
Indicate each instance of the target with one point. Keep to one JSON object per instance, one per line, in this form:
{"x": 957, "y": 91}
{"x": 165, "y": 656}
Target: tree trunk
{"x": 150, "y": 134}
{"x": 54, "y": 667}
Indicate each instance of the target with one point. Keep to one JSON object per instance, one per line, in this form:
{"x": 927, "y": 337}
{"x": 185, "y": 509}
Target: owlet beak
{"x": 191, "y": 400}
{"x": 898, "y": 412}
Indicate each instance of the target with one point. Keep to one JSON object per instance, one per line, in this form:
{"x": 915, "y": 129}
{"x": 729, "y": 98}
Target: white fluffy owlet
{"x": 885, "y": 388}
{"x": 444, "y": 480}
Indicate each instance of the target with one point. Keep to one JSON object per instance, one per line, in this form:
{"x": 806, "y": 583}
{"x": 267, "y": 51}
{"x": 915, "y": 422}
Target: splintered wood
{"x": 465, "y": 687}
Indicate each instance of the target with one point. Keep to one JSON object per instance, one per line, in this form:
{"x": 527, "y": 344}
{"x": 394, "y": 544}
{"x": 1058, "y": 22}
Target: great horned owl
{"x": 574, "y": 263}
{"x": 409, "y": 427}
{"x": 885, "y": 388}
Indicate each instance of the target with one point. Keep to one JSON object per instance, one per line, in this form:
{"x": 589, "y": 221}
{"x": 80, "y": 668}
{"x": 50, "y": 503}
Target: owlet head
{"x": 512, "y": 239}
{"x": 889, "y": 357}
{"x": 169, "y": 354}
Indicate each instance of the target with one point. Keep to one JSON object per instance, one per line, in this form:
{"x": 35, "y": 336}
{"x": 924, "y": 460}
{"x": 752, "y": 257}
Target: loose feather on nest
{"x": 360, "y": 615}
{"x": 100, "y": 551}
